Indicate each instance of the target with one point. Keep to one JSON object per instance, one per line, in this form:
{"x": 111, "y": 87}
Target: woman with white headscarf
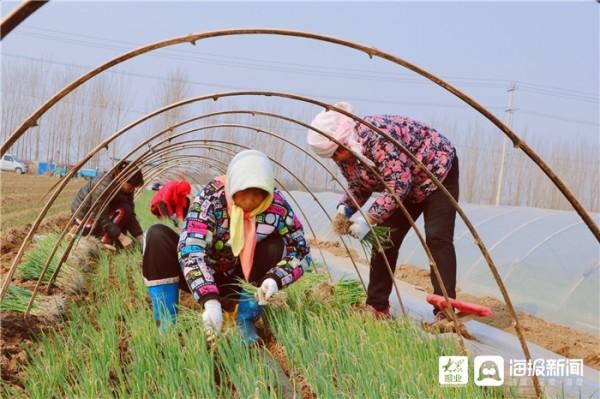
{"x": 402, "y": 176}
{"x": 239, "y": 227}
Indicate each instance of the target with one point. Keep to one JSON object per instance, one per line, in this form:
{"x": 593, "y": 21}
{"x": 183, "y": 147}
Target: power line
{"x": 557, "y": 117}
{"x": 314, "y": 69}
{"x": 355, "y": 99}
{"x": 558, "y": 89}
{"x": 229, "y": 87}
{"x": 310, "y": 69}
{"x": 589, "y": 99}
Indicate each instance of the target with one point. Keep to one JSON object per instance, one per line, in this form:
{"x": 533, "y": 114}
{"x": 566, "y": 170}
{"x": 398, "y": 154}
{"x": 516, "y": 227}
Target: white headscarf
{"x": 250, "y": 168}
{"x": 338, "y": 126}
{"x": 247, "y": 169}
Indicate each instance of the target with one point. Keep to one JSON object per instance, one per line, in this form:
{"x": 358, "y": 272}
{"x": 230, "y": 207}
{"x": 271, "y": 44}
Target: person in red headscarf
{"x": 172, "y": 201}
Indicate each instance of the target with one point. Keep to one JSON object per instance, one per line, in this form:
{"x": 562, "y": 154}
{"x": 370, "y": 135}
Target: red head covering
{"x": 174, "y": 195}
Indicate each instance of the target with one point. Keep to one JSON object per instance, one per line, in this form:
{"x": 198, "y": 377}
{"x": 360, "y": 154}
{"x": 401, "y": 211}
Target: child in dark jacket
{"x": 118, "y": 219}
{"x": 239, "y": 227}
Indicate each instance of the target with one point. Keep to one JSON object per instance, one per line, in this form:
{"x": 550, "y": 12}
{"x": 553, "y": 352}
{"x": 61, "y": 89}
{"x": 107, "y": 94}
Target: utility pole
{"x": 509, "y": 116}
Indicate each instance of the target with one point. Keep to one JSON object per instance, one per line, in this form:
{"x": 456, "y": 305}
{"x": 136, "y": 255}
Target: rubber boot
{"x": 248, "y": 313}
{"x": 165, "y": 298}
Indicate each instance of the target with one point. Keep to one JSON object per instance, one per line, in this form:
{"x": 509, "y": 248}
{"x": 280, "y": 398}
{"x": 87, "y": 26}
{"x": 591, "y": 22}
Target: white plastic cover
{"x": 548, "y": 259}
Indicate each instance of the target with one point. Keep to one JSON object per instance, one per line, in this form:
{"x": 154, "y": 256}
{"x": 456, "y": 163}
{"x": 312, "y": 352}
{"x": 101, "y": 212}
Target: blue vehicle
{"x": 87, "y": 173}
{"x": 60, "y": 171}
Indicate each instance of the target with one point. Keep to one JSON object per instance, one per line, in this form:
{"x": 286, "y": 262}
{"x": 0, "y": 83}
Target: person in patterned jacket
{"x": 238, "y": 227}
{"x": 415, "y": 189}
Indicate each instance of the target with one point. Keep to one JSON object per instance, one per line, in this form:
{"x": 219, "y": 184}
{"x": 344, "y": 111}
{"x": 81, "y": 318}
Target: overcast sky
{"x": 549, "y": 49}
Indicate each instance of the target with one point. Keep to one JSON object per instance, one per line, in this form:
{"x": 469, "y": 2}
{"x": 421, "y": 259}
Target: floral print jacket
{"x": 399, "y": 172}
{"x": 203, "y": 249}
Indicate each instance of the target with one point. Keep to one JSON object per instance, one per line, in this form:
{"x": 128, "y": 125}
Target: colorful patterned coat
{"x": 203, "y": 249}
{"x": 399, "y": 172}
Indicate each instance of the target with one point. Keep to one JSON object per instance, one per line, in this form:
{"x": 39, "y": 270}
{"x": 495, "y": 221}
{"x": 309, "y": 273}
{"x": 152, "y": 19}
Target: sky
{"x": 549, "y": 49}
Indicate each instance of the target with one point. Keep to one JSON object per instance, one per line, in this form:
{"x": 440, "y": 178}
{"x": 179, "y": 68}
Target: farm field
{"x": 21, "y": 198}
{"x": 112, "y": 343}
{"x": 316, "y": 345}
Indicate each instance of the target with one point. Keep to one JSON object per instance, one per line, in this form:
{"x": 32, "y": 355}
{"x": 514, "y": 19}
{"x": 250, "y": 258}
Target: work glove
{"x": 124, "y": 240}
{"x": 344, "y": 211}
{"x": 212, "y": 317}
{"x": 266, "y": 291}
{"x": 174, "y": 220}
{"x": 340, "y": 222}
{"x": 359, "y": 228}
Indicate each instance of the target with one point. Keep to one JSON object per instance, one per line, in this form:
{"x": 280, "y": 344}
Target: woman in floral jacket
{"x": 239, "y": 227}
{"x": 415, "y": 189}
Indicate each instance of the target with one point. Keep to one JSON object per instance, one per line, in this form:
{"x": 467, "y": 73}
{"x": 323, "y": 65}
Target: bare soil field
{"x": 21, "y": 198}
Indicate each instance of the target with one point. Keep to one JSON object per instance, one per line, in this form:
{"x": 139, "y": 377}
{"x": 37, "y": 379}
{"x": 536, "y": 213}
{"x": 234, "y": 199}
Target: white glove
{"x": 359, "y": 228}
{"x": 212, "y": 317}
{"x": 125, "y": 241}
{"x": 343, "y": 210}
{"x": 266, "y": 291}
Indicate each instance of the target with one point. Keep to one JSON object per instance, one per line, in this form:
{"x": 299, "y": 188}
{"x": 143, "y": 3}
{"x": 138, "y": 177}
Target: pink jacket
{"x": 398, "y": 171}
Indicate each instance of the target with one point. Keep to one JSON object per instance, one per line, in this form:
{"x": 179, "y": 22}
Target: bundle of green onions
{"x": 69, "y": 279}
{"x": 314, "y": 289}
{"x": 341, "y": 225}
{"x": 47, "y": 307}
{"x": 348, "y": 292}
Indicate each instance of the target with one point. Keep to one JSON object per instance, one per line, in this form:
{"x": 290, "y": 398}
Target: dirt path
{"x": 563, "y": 340}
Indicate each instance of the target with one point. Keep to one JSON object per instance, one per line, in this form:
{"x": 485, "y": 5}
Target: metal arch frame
{"x": 156, "y": 152}
{"x": 434, "y": 266}
{"x": 18, "y": 15}
{"x": 195, "y": 177}
{"x": 114, "y": 189}
{"x": 327, "y": 106}
{"x": 370, "y": 51}
{"x": 171, "y": 128}
{"x": 223, "y": 149}
{"x": 505, "y": 237}
{"x": 406, "y": 214}
{"x": 215, "y": 97}
{"x": 105, "y": 143}
{"x": 175, "y": 160}
{"x": 258, "y": 130}
{"x": 68, "y": 248}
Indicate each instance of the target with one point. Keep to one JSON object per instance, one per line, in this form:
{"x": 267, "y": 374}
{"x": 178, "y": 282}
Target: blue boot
{"x": 247, "y": 314}
{"x": 165, "y": 298}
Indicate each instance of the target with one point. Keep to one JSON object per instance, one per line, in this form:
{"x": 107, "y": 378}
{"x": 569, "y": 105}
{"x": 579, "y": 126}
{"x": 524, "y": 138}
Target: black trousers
{"x": 439, "y": 217}
{"x": 160, "y": 263}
